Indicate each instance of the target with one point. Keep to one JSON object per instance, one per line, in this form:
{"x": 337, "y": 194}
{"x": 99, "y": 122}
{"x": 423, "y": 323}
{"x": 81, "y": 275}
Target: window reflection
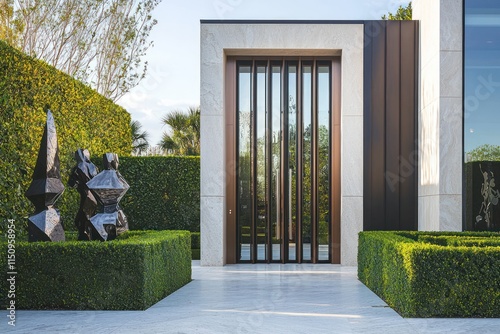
{"x": 261, "y": 163}
{"x": 307, "y": 110}
{"x": 284, "y": 171}
{"x": 276, "y": 228}
{"x": 482, "y": 113}
{"x": 292, "y": 163}
{"x": 323, "y": 162}
{"x": 244, "y": 162}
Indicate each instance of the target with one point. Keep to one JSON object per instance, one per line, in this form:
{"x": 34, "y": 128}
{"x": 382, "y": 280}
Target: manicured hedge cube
{"x": 433, "y": 274}
{"x": 132, "y": 272}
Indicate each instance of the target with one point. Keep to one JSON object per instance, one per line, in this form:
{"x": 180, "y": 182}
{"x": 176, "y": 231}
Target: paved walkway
{"x": 254, "y": 299}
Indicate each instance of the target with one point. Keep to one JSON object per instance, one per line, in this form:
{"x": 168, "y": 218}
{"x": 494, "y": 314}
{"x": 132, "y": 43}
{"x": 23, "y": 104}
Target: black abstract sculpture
{"x": 46, "y": 188}
{"x": 490, "y": 195}
{"x": 108, "y": 188}
{"x": 83, "y": 172}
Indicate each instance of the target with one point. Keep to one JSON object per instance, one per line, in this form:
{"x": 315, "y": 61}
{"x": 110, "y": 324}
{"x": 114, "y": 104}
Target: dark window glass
{"x": 261, "y": 163}
{"x": 323, "y": 162}
{"x": 244, "y": 162}
{"x": 307, "y": 108}
{"x": 482, "y": 114}
{"x": 284, "y": 153}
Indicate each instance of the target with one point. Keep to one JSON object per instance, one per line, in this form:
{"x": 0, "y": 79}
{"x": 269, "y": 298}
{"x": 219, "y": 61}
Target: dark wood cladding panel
{"x": 409, "y": 124}
{"x": 376, "y": 142}
{"x": 390, "y": 146}
{"x": 367, "y": 122}
{"x": 392, "y": 123}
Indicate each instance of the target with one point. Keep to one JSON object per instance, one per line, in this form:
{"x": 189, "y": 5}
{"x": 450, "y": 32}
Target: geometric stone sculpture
{"x": 83, "y": 172}
{"x": 108, "y": 188}
{"x": 46, "y": 188}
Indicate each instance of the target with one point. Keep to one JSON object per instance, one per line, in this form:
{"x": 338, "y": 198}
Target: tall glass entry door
{"x": 287, "y": 158}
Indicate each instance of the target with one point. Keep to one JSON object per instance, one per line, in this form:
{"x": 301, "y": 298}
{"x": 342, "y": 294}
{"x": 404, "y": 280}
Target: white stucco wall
{"x": 440, "y": 114}
{"x": 220, "y": 40}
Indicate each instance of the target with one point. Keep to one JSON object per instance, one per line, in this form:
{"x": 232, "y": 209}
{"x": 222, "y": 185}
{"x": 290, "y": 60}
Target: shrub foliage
{"x": 195, "y": 245}
{"x": 426, "y": 274}
{"x": 83, "y": 119}
{"x": 164, "y": 192}
{"x": 130, "y": 273}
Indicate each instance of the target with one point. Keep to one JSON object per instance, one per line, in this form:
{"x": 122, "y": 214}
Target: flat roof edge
{"x": 283, "y": 21}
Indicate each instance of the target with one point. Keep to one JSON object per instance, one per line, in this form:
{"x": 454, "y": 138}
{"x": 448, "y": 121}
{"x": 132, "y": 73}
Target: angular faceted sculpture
{"x": 46, "y": 226}
{"x": 108, "y": 188}
{"x": 105, "y": 226}
{"x": 44, "y": 193}
{"x": 122, "y": 223}
{"x": 83, "y": 172}
{"x": 46, "y": 188}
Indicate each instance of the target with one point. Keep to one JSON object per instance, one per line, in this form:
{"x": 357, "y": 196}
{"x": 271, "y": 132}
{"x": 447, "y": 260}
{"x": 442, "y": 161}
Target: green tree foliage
{"x": 84, "y": 119}
{"x": 484, "y": 152}
{"x": 140, "y": 142}
{"x": 184, "y": 138}
{"x": 9, "y": 27}
{"x": 403, "y": 13}
{"x": 98, "y": 42}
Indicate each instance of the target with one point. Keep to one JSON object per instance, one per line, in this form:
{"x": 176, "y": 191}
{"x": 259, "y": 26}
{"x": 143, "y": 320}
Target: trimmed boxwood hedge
{"x": 195, "y": 245}
{"x": 83, "y": 118}
{"x": 132, "y": 272}
{"x": 164, "y": 192}
{"x": 433, "y": 274}
{"x": 195, "y": 240}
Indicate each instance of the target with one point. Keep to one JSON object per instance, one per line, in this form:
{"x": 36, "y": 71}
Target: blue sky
{"x": 173, "y": 80}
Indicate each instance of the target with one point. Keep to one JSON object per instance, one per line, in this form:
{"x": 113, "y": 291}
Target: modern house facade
{"x": 312, "y": 131}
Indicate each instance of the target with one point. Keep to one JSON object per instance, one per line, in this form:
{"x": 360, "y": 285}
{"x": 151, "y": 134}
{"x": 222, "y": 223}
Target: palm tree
{"x": 139, "y": 139}
{"x": 184, "y": 137}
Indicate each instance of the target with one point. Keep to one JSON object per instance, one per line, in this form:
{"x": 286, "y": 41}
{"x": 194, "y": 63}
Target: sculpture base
{"x": 45, "y": 226}
{"x": 103, "y": 226}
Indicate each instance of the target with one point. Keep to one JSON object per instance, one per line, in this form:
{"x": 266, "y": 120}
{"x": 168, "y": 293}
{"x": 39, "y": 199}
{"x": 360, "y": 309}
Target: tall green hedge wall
{"x": 83, "y": 119}
{"x": 164, "y": 193}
